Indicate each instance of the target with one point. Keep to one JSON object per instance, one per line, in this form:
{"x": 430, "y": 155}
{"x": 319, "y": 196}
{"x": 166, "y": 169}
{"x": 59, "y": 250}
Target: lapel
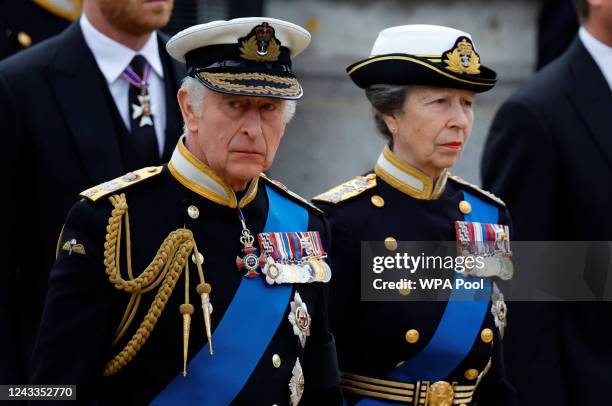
{"x": 174, "y": 72}
{"x": 591, "y": 97}
{"x": 79, "y": 88}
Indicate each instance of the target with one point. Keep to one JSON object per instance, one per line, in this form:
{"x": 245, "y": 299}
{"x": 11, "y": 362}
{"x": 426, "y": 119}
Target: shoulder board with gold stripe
{"x": 131, "y": 178}
{"x": 347, "y": 190}
{"x": 280, "y": 186}
{"x": 476, "y": 189}
{"x": 67, "y": 9}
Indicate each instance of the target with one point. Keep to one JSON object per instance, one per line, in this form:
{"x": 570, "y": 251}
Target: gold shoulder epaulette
{"x": 347, "y": 190}
{"x": 112, "y": 186}
{"x": 282, "y": 187}
{"x": 477, "y": 189}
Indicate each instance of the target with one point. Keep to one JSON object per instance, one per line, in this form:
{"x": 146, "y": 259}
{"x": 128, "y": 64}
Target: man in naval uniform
{"x": 200, "y": 281}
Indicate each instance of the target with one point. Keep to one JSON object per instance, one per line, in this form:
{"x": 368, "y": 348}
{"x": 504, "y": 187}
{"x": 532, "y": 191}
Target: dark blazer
{"x": 83, "y": 307}
{"x": 549, "y": 156}
{"x": 58, "y": 138}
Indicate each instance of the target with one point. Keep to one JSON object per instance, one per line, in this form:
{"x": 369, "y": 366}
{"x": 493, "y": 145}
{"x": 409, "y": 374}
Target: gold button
{"x": 24, "y": 39}
{"x": 412, "y": 336}
{"x": 465, "y": 207}
{"x": 276, "y": 361}
{"x": 471, "y": 374}
{"x": 404, "y": 292}
{"x": 399, "y": 364}
{"x": 486, "y": 335}
{"x": 391, "y": 243}
{"x": 377, "y": 201}
{"x": 193, "y": 212}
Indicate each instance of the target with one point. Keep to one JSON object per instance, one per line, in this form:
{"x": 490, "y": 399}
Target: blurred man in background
{"x": 88, "y": 105}
{"x": 549, "y": 156}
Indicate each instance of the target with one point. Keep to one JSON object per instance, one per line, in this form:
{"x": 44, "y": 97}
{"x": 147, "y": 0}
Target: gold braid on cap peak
{"x": 165, "y": 270}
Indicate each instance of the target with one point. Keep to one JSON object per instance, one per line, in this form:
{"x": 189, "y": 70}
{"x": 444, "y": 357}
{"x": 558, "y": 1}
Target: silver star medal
{"x": 296, "y": 383}
{"x": 300, "y": 319}
{"x": 499, "y": 309}
{"x": 144, "y": 110}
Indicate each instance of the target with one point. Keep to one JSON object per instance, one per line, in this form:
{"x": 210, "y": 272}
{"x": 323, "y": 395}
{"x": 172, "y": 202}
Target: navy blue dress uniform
{"x": 25, "y": 23}
{"x": 170, "y": 288}
{"x": 421, "y": 352}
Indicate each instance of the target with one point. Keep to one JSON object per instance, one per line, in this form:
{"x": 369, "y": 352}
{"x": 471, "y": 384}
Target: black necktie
{"x": 143, "y": 128}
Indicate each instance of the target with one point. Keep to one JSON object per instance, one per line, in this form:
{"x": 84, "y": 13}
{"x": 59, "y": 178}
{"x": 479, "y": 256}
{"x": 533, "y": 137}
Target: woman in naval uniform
{"x": 421, "y": 81}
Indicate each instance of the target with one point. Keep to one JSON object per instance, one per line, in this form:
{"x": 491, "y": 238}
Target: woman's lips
{"x": 455, "y": 146}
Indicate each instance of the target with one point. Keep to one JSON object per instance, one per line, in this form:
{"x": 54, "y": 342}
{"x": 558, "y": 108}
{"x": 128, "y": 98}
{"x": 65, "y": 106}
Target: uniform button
{"x": 377, "y": 201}
{"x": 404, "y": 292}
{"x": 24, "y": 39}
{"x": 412, "y": 336}
{"x": 193, "y": 212}
{"x": 399, "y": 364}
{"x": 486, "y": 335}
{"x": 276, "y": 361}
{"x": 465, "y": 207}
{"x": 471, "y": 374}
{"x": 391, "y": 243}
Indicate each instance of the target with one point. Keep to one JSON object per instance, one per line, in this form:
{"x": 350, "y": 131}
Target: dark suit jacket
{"x": 549, "y": 156}
{"x": 58, "y": 137}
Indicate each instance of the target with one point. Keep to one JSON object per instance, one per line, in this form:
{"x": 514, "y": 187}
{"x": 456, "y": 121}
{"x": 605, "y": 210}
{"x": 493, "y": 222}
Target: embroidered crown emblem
{"x": 260, "y": 45}
{"x": 463, "y": 58}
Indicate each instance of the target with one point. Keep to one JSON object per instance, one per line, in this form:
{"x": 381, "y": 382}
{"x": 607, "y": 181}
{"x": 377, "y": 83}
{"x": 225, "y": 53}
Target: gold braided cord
{"x": 165, "y": 270}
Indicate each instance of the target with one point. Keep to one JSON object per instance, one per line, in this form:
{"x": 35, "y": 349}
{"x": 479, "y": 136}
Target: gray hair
{"x": 196, "y": 92}
{"x": 386, "y": 100}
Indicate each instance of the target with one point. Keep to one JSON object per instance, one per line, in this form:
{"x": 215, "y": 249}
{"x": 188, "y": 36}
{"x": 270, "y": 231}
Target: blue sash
{"x": 244, "y": 332}
{"x": 459, "y": 326}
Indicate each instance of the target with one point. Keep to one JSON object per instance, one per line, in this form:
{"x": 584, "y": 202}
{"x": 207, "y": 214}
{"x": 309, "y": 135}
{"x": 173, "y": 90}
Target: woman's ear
{"x": 392, "y": 123}
{"x": 190, "y": 118}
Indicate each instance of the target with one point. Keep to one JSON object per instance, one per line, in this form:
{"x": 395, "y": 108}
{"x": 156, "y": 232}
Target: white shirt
{"x": 601, "y": 53}
{"x": 112, "y": 59}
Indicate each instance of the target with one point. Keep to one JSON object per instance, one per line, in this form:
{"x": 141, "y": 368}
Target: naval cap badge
{"x": 260, "y": 45}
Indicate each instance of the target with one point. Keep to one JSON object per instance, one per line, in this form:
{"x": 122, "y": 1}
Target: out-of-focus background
{"x": 332, "y": 137}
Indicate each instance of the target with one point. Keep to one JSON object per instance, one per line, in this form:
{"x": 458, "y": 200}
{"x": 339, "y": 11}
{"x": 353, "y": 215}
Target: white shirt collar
{"x": 112, "y": 57}
{"x": 601, "y": 53}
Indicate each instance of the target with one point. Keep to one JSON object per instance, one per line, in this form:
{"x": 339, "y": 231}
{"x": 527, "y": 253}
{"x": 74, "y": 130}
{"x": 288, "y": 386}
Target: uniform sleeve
{"x": 519, "y": 163}
{"x": 321, "y": 377}
{"x": 79, "y": 318}
{"x": 11, "y": 131}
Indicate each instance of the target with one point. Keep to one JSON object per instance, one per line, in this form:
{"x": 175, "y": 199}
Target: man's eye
{"x": 468, "y": 103}
{"x": 268, "y": 107}
{"x": 234, "y": 104}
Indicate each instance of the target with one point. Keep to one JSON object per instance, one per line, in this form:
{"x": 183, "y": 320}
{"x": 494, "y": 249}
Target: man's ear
{"x": 190, "y": 118}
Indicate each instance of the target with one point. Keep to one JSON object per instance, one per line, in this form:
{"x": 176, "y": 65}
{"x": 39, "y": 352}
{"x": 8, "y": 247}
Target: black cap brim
{"x": 404, "y": 69}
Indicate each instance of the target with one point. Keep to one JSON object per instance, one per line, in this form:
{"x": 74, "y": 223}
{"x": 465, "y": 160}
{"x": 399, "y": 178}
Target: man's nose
{"x": 252, "y": 123}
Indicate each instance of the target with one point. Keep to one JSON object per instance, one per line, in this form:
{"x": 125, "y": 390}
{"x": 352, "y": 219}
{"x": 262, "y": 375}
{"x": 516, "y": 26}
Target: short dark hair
{"x": 582, "y": 9}
{"x": 386, "y": 100}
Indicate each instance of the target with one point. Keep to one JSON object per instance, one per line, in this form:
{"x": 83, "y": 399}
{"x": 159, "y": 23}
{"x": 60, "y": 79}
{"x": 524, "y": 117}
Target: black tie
{"x": 143, "y": 128}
